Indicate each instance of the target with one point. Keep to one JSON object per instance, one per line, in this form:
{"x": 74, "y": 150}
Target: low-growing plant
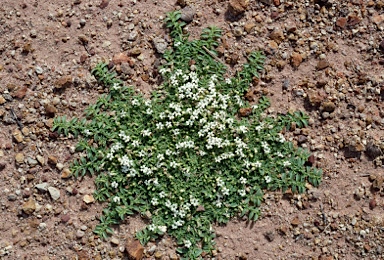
{"x": 184, "y": 157}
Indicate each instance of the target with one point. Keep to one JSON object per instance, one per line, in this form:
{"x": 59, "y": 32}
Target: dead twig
{"x": 14, "y": 116}
{"x": 213, "y": 55}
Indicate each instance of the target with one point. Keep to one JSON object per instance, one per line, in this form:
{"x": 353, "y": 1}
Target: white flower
{"x": 177, "y": 44}
{"x": 225, "y": 191}
{"x": 218, "y": 204}
{"x": 135, "y": 143}
{"x": 160, "y": 126}
{"x": 257, "y": 164}
{"x": 116, "y": 199}
{"x": 268, "y": 179}
{"x": 243, "y": 129}
{"x": 286, "y": 163}
{"x": 114, "y": 184}
{"x": 116, "y": 86}
{"x": 187, "y": 243}
{"x": 149, "y": 111}
{"x": 194, "y": 201}
{"x": 281, "y": 138}
{"x": 168, "y": 124}
{"x": 228, "y": 81}
{"x": 168, "y": 204}
{"x": 147, "y": 103}
{"x": 152, "y": 227}
{"x": 182, "y": 213}
{"x": 142, "y": 153}
{"x": 87, "y": 132}
{"x": 135, "y": 102}
{"x": 160, "y": 157}
{"x": 220, "y": 182}
{"x": 146, "y": 132}
{"x": 242, "y": 193}
{"x": 173, "y": 207}
{"x": 243, "y": 180}
{"x": 155, "y": 201}
{"x": 109, "y": 156}
{"x": 162, "y": 194}
{"x": 279, "y": 154}
{"x": 173, "y": 164}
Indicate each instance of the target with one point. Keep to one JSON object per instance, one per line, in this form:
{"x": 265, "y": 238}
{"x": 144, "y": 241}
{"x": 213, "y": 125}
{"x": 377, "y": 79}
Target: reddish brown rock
{"x": 296, "y": 59}
{"x": 322, "y": 64}
{"x": 104, "y": 4}
{"x": 134, "y": 249}
{"x": 120, "y": 58}
{"x": 238, "y": 7}
{"x": 341, "y": 22}
{"x": 29, "y": 207}
{"x": 64, "y": 82}
{"x": 50, "y": 110}
{"x": 20, "y": 92}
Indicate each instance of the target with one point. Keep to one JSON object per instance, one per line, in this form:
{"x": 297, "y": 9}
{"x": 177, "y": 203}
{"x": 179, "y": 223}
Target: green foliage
{"x": 184, "y": 158}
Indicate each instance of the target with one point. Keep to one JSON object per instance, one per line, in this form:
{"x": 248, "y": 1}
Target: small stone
{"x": 66, "y": 173}
{"x": 55, "y": 193}
{"x": 378, "y": 19}
{"x": 12, "y": 197}
{"x": 270, "y": 236}
{"x": 296, "y": 59}
{"x": 64, "y": 82}
{"x": 158, "y": 255}
{"x": 40, "y": 159}
{"x": 134, "y": 52}
{"x": 322, "y": 64}
{"x": 104, "y": 4}
{"x": 173, "y": 256}
{"x": 29, "y": 207}
{"x": 134, "y": 249}
{"x": 33, "y": 33}
{"x": 65, "y": 218}
{"x": 31, "y": 161}
{"x": 328, "y": 106}
{"x": 42, "y": 186}
{"x": 19, "y": 158}
{"x": 52, "y": 159}
{"x": 88, "y": 199}
{"x": 83, "y": 39}
{"x": 115, "y": 241}
{"x": 80, "y": 233}
{"x": 378, "y": 182}
{"x": 295, "y": 221}
{"x": 2, "y": 100}
{"x": 20, "y": 92}
{"x": 187, "y": 14}
{"x": 39, "y": 70}
{"x": 120, "y": 58}
{"x": 248, "y": 27}
{"x": 133, "y": 35}
{"x": 237, "y": 7}
{"x": 18, "y": 136}
{"x": 341, "y": 22}
{"x": 50, "y": 110}
{"x": 277, "y": 35}
{"x": 160, "y": 45}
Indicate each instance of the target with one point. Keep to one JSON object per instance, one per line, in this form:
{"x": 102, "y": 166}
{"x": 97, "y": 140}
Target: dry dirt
{"x": 324, "y": 57}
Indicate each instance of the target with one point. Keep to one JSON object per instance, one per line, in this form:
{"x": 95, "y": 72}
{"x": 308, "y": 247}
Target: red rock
{"x": 65, "y": 218}
{"x": 378, "y": 19}
{"x": 134, "y": 249}
{"x": 341, "y": 22}
{"x": 276, "y": 2}
{"x": 353, "y": 20}
{"x": 296, "y": 59}
{"x": 20, "y": 92}
{"x": 237, "y": 7}
{"x": 64, "y": 82}
{"x": 322, "y": 64}
{"x": 120, "y": 58}
{"x": 104, "y": 4}
{"x": 295, "y": 221}
{"x": 29, "y": 207}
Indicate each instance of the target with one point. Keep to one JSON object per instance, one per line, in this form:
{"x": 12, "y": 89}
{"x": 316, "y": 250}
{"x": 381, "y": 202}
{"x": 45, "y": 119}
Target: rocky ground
{"x": 324, "y": 57}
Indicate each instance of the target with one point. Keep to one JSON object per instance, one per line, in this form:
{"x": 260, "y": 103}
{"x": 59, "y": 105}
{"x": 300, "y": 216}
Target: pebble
{"x": 29, "y": 207}
{"x": 39, "y": 70}
{"x": 160, "y": 45}
{"x": 55, "y": 193}
{"x": 42, "y": 186}
{"x": 88, "y": 199}
{"x": 237, "y": 7}
{"x": 187, "y": 14}
{"x": 132, "y": 36}
{"x": 80, "y": 233}
{"x": 296, "y": 59}
{"x": 18, "y": 136}
{"x": 64, "y": 82}
{"x": 19, "y": 158}
{"x": 115, "y": 241}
